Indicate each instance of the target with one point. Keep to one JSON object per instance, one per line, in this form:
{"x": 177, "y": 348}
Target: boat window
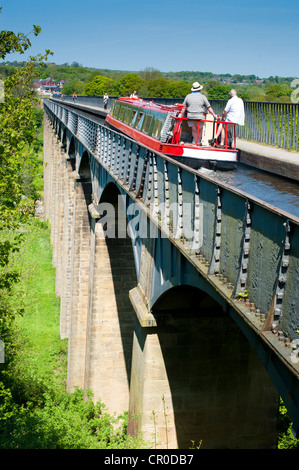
{"x": 147, "y": 123}
{"x": 128, "y": 116}
{"x": 134, "y": 116}
{"x": 112, "y": 108}
{"x": 157, "y": 129}
{"x": 116, "y": 110}
{"x": 121, "y": 113}
{"x": 140, "y": 120}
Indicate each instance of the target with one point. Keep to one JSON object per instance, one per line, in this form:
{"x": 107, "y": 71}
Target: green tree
{"x": 99, "y": 85}
{"x": 178, "y": 89}
{"x": 73, "y": 86}
{"x": 11, "y": 42}
{"x": 255, "y": 92}
{"x": 150, "y": 73}
{"x": 17, "y": 133}
{"x": 130, "y": 82}
{"x": 211, "y": 84}
{"x": 219, "y": 92}
{"x": 278, "y": 92}
{"x": 244, "y": 95}
{"x": 157, "y": 87}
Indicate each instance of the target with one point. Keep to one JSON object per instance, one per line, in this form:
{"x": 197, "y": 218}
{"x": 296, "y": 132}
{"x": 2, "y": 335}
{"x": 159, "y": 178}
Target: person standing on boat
{"x": 197, "y": 105}
{"x": 134, "y": 95}
{"x": 105, "y": 100}
{"x": 233, "y": 112}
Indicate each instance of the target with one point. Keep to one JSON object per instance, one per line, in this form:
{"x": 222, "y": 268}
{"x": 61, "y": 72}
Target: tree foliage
{"x": 99, "y": 85}
{"x": 156, "y": 86}
{"x": 219, "y": 92}
{"x": 17, "y": 135}
{"x": 176, "y": 84}
{"x": 278, "y": 92}
{"x": 11, "y": 42}
{"x": 129, "y": 83}
{"x": 61, "y": 421}
{"x": 73, "y": 86}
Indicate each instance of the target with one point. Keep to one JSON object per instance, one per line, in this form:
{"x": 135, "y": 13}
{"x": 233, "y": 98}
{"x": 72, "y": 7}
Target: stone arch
{"x": 110, "y": 193}
{"x": 64, "y": 139}
{"x": 59, "y": 131}
{"x": 183, "y": 298}
{"x": 197, "y": 368}
{"x": 72, "y": 148}
{"x": 84, "y": 166}
{"x": 54, "y": 123}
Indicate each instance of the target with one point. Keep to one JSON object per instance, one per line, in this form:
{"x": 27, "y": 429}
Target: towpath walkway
{"x": 272, "y": 159}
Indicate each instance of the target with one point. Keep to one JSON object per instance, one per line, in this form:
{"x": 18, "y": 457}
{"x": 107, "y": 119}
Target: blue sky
{"x": 253, "y": 37}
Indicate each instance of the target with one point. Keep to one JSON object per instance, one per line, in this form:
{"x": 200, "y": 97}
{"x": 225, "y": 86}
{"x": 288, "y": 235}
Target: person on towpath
{"x": 105, "y": 100}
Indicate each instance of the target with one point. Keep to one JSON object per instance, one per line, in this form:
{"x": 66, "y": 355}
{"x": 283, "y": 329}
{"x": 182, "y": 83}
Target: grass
{"x": 42, "y": 350}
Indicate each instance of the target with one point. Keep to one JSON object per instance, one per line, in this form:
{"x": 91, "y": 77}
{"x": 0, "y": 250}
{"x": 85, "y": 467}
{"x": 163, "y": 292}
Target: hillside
{"x": 154, "y": 83}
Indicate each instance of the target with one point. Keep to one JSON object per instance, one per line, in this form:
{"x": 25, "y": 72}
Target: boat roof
{"x": 150, "y": 105}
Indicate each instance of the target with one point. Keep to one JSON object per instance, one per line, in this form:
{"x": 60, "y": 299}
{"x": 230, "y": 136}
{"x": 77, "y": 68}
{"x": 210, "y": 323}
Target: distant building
{"x": 48, "y": 85}
{"x": 226, "y": 80}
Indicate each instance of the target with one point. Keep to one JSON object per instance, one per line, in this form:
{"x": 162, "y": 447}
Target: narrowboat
{"x": 161, "y": 128}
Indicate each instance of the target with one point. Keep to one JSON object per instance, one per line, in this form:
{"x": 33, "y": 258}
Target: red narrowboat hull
{"x": 192, "y": 155}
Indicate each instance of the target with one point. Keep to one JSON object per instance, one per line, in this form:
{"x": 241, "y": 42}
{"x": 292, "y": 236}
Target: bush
{"x": 286, "y": 439}
{"x": 64, "y": 421}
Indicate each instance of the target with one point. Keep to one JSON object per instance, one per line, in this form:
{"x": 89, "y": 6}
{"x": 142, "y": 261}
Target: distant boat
{"x": 160, "y": 128}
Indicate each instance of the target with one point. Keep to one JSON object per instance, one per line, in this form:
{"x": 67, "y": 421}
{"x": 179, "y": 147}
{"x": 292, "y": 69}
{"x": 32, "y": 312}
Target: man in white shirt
{"x": 105, "y": 100}
{"x": 233, "y": 112}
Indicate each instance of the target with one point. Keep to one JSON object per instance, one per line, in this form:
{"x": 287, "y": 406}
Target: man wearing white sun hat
{"x": 197, "y": 105}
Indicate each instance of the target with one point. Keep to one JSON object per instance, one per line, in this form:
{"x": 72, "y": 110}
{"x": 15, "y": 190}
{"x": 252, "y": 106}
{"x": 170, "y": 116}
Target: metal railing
{"x": 228, "y": 129}
{"x": 274, "y": 124}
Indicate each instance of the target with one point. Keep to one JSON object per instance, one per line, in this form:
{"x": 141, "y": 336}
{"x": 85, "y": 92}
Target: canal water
{"x": 280, "y": 192}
